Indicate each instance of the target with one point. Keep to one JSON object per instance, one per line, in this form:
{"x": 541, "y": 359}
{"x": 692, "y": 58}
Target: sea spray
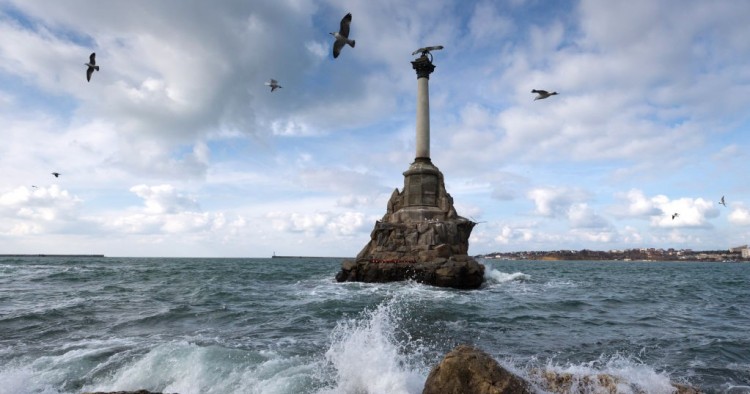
{"x": 367, "y": 356}
{"x": 187, "y": 368}
{"x": 495, "y": 276}
{"x": 609, "y": 373}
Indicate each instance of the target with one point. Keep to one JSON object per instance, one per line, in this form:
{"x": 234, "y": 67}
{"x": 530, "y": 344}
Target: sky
{"x": 176, "y": 148}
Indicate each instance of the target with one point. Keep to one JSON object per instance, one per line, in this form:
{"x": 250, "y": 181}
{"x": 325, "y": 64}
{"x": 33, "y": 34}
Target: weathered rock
{"x": 567, "y": 383}
{"x": 441, "y": 272}
{"x": 467, "y": 370}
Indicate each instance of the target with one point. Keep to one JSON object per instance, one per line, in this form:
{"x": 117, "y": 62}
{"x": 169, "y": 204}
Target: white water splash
{"x": 495, "y": 276}
{"x": 367, "y": 358}
{"x": 631, "y": 376}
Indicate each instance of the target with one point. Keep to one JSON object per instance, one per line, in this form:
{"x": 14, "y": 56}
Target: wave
{"x": 495, "y": 276}
{"x": 365, "y": 355}
{"x": 609, "y": 373}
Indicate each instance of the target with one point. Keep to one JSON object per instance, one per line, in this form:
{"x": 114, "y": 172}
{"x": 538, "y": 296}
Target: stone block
{"x": 444, "y": 250}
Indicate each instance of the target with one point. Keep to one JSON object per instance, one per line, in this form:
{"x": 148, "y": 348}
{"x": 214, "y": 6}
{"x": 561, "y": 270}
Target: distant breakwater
{"x": 51, "y": 255}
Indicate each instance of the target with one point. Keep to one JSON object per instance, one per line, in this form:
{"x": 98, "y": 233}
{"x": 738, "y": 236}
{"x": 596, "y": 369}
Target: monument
{"x": 420, "y": 237}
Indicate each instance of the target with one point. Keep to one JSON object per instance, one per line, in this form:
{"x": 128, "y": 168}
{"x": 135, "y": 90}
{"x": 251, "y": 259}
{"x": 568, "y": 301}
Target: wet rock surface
{"x": 467, "y": 369}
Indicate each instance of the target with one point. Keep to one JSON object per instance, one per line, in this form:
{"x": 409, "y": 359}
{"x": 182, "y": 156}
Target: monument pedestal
{"x": 421, "y": 238}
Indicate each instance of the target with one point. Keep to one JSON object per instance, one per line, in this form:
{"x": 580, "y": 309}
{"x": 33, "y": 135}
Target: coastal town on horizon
{"x": 736, "y": 254}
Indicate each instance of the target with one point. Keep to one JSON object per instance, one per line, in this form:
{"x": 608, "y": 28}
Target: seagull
{"x": 274, "y": 84}
{"x": 722, "y": 201}
{"x": 56, "y": 174}
{"x": 342, "y": 36}
{"x": 34, "y": 186}
{"x": 92, "y": 66}
{"x": 674, "y": 215}
{"x": 542, "y": 94}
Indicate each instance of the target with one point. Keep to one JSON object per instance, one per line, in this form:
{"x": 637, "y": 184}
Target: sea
{"x": 284, "y": 325}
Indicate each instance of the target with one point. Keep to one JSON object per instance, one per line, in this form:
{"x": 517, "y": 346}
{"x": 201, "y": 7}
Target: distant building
{"x": 745, "y": 253}
{"x": 738, "y": 249}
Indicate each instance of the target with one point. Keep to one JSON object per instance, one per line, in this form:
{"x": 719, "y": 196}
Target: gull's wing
{"x": 92, "y": 58}
{"x": 337, "y": 45}
{"x": 543, "y": 92}
{"x": 345, "y": 22}
{"x": 89, "y": 72}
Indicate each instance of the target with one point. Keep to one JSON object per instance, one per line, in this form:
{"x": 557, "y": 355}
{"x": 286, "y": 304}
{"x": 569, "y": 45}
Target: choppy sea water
{"x": 285, "y": 326}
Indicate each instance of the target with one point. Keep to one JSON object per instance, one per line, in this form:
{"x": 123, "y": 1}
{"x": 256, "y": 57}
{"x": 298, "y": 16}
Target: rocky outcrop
{"x": 469, "y": 370}
{"x": 567, "y": 383}
{"x": 420, "y": 237}
{"x": 460, "y": 272}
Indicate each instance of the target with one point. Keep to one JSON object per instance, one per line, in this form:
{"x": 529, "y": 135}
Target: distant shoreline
{"x": 51, "y": 255}
{"x": 306, "y": 257}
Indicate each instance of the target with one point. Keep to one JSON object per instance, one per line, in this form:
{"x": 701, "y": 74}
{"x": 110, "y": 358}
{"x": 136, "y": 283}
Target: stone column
{"x": 424, "y": 68}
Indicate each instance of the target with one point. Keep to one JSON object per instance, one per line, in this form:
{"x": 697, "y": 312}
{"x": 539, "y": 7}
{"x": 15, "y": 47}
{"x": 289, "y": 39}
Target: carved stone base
{"x": 458, "y": 272}
{"x": 421, "y": 237}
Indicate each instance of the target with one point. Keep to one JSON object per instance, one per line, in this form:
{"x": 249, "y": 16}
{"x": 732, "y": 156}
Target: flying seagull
{"x": 426, "y": 50}
{"x": 274, "y": 84}
{"x": 92, "y": 66}
{"x": 56, "y": 174}
{"x": 542, "y": 94}
{"x": 342, "y": 36}
{"x": 674, "y": 215}
{"x": 722, "y": 201}
{"x": 34, "y": 187}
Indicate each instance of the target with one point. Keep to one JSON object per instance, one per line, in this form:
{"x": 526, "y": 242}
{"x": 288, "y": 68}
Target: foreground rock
{"x": 420, "y": 237}
{"x": 467, "y": 370}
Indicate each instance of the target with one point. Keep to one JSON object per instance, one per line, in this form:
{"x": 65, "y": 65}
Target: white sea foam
{"x": 495, "y": 276}
{"x": 188, "y": 368}
{"x": 18, "y": 380}
{"x": 631, "y": 376}
{"x": 367, "y": 358}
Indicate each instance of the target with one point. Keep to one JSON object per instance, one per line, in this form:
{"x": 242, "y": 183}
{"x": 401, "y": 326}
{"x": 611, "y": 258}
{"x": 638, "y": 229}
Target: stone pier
{"x": 420, "y": 237}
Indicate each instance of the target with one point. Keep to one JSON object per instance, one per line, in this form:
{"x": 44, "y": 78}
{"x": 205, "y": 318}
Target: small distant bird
{"x": 674, "y": 215}
{"x": 274, "y": 84}
{"x": 722, "y": 201}
{"x": 342, "y": 36}
{"x": 56, "y": 174}
{"x": 92, "y": 66}
{"x": 542, "y": 94}
{"x": 33, "y": 186}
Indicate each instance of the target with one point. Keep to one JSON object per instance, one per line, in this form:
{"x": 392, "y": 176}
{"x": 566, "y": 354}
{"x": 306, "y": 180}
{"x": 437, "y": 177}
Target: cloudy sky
{"x": 176, "y": 147}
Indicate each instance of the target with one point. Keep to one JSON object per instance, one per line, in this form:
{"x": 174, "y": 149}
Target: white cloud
{"x": 34, "y": 210}
{"x": 581, "y": 216}
{"x": 740, "y": 216}
{"x": 163, "y": 199}
{"x": 319, "y": 223}
{"x": 554, "y": 202}
{"x": 640, "y": 206}
{"x": 692, "y": 212}
{"x": 508, "y": 235}
{"x": 168, "y": 212}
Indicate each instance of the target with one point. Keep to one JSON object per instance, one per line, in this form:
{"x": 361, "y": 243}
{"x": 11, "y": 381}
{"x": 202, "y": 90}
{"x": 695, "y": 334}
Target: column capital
{"x": 423, "y": 66}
